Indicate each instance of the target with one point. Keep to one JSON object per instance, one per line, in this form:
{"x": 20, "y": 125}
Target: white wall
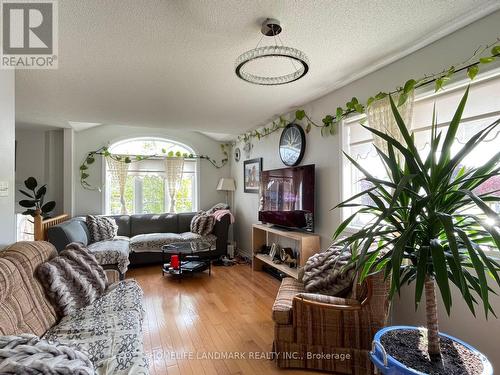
{"x": 7, "y": 135}
{"x": 319, "y": 151}
{"x": 39, "y": 154}
{"x": 91, "y": 202}
{"x": 326, "y": 154}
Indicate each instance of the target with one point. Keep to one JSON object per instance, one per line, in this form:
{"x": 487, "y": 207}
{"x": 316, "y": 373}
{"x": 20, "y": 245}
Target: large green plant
{"x": 429, "y": 225}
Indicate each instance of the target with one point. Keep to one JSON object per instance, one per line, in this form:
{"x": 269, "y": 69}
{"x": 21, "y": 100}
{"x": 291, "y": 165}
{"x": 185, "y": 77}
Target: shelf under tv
{"x": 292, "y": 272}
{"x": 307, "y": 245}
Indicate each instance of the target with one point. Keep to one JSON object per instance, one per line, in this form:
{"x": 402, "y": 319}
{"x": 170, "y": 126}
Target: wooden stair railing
{"x": 41, "y": 225}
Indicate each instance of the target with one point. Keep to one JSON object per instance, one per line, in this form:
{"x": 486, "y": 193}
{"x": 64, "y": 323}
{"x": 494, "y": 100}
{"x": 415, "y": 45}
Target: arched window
{"x": 142, "y": 187}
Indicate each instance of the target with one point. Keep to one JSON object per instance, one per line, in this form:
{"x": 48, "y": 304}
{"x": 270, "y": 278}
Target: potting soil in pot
{"x": 410, "y": 348}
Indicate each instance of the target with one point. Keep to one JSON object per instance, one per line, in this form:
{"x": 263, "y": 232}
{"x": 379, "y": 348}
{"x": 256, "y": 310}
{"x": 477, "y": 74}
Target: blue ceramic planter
{"x": 387, "y": 365}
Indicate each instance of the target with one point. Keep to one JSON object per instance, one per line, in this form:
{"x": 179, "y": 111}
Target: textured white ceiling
{"x": 170, "y": 63}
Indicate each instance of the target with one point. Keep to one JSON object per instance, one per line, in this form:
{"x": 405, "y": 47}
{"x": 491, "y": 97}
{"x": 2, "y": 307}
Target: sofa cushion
{"x": 123, "y": 222}
{"x": 153, "y": 223}
{"x": 114, "y": 251}
{"x": 109, "y": 330}
{"x": 74, "y": 230}
{"x": 194, "y": 237}
{"x": 153, "y": 242}
{"x": 282, "y": 308}
{"x": 73, "y": 279}
{"x": 330, "y": 300}
{"x": 101, "y": 228}
{"x": 184, "y": 221}
{"x": 24, "y": 308}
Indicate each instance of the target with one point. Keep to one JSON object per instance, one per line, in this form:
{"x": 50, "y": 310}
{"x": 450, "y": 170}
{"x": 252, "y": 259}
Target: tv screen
{"x": 287, "y": 197}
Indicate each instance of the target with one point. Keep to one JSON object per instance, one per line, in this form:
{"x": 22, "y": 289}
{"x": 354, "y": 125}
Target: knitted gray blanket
{"x": 28, "y": 355}
{"x": 329, "y": 272}
{"x": 73, "y": 279}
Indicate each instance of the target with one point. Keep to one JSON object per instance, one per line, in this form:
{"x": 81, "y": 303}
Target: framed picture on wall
{"x": 251, "y": 175}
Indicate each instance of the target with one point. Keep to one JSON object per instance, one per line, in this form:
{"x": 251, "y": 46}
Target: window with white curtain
{"x": 145, "y": 189}
{"x": 483, "y": 107}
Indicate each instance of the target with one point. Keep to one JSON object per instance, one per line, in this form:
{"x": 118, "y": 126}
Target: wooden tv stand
{"x": 307, "y": 245}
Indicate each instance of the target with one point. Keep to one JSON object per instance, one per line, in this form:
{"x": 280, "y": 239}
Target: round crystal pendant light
{"x": 272, "y": 65}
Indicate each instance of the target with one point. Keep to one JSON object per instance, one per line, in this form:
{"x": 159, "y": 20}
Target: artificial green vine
{"x": 105, "y": 153}
{"x": 331, "y": 121}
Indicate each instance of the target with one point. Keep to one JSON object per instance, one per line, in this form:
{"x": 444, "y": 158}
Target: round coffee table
{"x": 189, "y": 260}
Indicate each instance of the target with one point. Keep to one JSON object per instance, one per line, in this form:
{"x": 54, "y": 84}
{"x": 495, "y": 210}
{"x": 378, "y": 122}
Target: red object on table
{"x": 174, "y": 262}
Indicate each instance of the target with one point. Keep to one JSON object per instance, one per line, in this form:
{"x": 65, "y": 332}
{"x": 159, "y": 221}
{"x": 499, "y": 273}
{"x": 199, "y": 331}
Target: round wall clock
{"x": 237, "y": 154}
{"x": 292, "y": 145}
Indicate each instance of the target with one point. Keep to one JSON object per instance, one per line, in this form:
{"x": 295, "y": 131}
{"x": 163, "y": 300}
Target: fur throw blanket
{"x": 73, "y": 279}
{"x": 28, "y": 355}
{"x": 329, "y": 272}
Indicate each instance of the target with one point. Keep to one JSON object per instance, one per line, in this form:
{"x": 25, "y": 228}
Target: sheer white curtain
{"x": 381, "y": 118}
{"x": 119, "y": 173}
{"x": 173, "y": 172}
{"x": 481, "y": 110}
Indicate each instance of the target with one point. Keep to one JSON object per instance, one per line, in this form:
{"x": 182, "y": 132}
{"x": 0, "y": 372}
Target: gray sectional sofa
{"x": 140, "y": 238}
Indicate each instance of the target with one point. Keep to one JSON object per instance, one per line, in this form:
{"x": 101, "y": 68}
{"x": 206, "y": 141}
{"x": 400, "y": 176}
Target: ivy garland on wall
{"x": 105, "y": 153}
{"x": 482, "y": 56}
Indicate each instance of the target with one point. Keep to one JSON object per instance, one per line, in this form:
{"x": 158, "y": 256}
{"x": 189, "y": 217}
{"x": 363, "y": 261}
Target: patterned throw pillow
{"x": 101, "y": 228}
{"x": 73, "y": 279}
{"x": 202, "y": 223}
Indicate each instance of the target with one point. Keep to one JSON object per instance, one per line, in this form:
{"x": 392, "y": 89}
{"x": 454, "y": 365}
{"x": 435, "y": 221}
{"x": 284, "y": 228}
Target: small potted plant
{"x": 429, "y": 226}
{"x": 35, "y": 204}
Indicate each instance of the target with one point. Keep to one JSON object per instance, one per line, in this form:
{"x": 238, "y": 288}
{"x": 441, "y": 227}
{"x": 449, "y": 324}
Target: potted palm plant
{"x": 430, "y": 226}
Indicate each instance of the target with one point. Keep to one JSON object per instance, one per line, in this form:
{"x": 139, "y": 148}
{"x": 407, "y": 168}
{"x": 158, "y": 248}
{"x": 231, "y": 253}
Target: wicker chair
{"x": 318, "y": 332}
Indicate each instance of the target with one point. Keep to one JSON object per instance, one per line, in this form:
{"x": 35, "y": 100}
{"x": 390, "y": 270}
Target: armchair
{"x": 314, "y": 331}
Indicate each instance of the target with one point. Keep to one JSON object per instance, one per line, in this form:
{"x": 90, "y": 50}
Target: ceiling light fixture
{"x": 272, "y": 65}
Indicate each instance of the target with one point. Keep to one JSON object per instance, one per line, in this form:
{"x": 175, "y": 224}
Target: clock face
{"x": 292, "y": 145}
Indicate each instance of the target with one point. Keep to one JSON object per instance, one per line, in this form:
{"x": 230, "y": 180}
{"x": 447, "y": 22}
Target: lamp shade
{"x": 226, "y": 184}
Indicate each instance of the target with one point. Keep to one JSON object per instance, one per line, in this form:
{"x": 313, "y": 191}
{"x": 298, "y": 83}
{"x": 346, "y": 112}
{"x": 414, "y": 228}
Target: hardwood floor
{"x": 190, "y": 323}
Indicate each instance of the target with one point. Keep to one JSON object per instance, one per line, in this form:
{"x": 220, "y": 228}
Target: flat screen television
{"x": 287, "y": 197}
